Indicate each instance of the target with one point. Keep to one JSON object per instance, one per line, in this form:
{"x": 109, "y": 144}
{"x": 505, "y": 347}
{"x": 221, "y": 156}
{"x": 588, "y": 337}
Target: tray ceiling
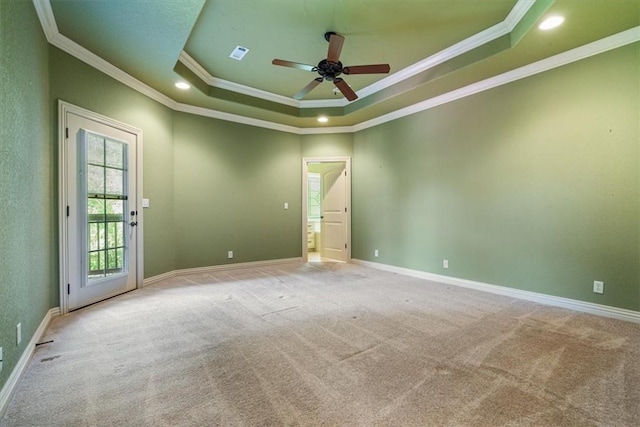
{"x": 433, "y": 47}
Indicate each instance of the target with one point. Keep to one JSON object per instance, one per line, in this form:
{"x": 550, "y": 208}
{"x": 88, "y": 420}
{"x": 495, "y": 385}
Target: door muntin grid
{"x": 103, "y": 207}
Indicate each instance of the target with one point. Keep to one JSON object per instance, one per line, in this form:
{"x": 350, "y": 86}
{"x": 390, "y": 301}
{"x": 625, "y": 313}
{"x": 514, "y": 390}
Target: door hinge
{"x": 67, "y": 211}
{"x": 68, "y": 288}
{"x": 345, "y": 209}
{"x": 345, "y": 246}
{"x": 66, "y": 133}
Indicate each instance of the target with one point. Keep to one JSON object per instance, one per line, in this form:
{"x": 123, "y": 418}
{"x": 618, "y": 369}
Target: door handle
{"x": 133, "y": 223}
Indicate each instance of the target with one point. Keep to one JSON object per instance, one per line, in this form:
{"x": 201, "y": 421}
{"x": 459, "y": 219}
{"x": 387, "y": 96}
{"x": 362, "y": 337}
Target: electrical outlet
{"x": 230, "y": 254}
{"x": 375, "y": 253}
{"x": 286, "y": 205}
{"x": 445, "y": 263}
{"x": 18, "y": 333}
{"x": 598, "y": 287}
{"x": 1, "y": 359}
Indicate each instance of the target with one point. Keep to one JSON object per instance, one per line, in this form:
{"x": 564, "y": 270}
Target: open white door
{"x": 100, "y": 224}
{"x": 334, "y": 213}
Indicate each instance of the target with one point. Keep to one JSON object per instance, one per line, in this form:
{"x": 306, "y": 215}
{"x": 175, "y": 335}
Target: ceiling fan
{"x": 331, "y": 68}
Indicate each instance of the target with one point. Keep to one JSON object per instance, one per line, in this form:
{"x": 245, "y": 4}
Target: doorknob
{"x": 133, "y": 223}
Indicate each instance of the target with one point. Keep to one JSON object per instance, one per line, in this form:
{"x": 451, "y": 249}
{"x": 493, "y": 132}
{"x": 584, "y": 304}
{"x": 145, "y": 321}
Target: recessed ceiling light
{"x": 183, "y": 85}
{"x": 323, "y": 119}
{"x": 551, "y": 22}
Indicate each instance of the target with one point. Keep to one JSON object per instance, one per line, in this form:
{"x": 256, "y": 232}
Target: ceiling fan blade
{"x": 367, "y": 69}
{"x": 308, "y": 88}
{"x": 303, "y": 67}
{"x": 345, "y": 89}
{"x": 335, "y": 47}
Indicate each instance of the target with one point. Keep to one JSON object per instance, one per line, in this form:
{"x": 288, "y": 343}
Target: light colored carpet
{"x": 328, "y": 344}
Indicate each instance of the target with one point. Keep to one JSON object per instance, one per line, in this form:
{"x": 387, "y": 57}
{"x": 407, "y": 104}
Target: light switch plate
{"x": 145, "y": 203}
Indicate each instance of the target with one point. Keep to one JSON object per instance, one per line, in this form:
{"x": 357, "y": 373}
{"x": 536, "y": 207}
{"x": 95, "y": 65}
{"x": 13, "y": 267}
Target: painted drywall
{"x": 327, "y": 145}
{"x": 231, "y": 183}
{"x": 28, "y": 266}
{"x": 533, "y": 185}
{"x": 77, "y": 83}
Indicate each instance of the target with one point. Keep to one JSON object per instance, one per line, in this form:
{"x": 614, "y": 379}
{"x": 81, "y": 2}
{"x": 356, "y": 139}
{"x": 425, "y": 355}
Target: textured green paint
{"x": 533, "y": 185}
{"x": 327, "y": 145}
{"x": 75, "y": 82}
{"x": 28, "y": 240}
{"x": 143, "y": 38}
{"x": 231, "y": 183}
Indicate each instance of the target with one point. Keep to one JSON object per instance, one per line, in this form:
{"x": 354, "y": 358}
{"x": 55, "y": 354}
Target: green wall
{"x": 28, "y": 243}
{"x": 327, "y": 145}
{"x": 231, "y": 183}
{"x": 75, "y": 82}
{"x": 213, "y": 185}
{"x": 532, "y": 185}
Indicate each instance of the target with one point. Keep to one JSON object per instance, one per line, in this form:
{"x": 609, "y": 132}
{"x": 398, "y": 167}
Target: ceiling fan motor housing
{"x": 329, "y": 70}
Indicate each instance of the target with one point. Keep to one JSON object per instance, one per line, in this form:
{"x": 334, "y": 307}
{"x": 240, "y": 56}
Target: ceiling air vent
{"x": 239, "y": 52}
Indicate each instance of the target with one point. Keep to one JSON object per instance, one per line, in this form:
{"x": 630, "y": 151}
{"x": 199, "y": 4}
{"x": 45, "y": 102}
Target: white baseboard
{"x": 159, "y": 277}
{"x": 222, "y": 267}
{"x": 582, "y": 306}
{"x": 10, "y": 386}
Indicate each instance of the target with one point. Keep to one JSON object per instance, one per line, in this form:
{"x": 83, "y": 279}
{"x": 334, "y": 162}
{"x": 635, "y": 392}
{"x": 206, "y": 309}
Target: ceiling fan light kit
{"x": 331, "y": 68}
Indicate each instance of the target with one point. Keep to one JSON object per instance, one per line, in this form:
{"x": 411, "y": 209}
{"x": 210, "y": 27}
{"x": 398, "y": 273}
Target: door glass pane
{"x": 313, "y": 209}
{"x": 106, "y": 197}
{"x": 95, "y": 151}
{"x": 114, "y": 181}
{"x": 95, "y": 179}
{"x": 115, "y": 154}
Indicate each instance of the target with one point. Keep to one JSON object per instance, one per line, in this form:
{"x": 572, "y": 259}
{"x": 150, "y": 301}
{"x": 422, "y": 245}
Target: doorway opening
{"x": 326, "y": 213}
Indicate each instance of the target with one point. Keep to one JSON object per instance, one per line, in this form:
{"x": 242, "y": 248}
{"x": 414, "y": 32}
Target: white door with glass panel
{"x": 101, "y": 213}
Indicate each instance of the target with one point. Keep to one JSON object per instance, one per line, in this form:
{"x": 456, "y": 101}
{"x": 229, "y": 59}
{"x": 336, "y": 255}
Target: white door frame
{"x": 305, "y": 194}
{"x": 63, "y": 197}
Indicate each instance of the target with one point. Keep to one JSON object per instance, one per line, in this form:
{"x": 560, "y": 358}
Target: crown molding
{"x": 517, "y": 13}
{"x": 195, "y": 67}
{"x": 214, "y": 114}
{"x": 107, "y": 68}
{"x": 204, "y": 75}
{"x": 47, "y": 20}
{"x": 45, "y": 14}
{"x": 466, "y": 45}
{"x": 331, "y": 130}
{"x": 600, "y": 46}
{"x": 438, "y": 58}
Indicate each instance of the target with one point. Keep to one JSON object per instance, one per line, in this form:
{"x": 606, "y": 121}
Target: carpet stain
{"x": 49, "y": 359}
